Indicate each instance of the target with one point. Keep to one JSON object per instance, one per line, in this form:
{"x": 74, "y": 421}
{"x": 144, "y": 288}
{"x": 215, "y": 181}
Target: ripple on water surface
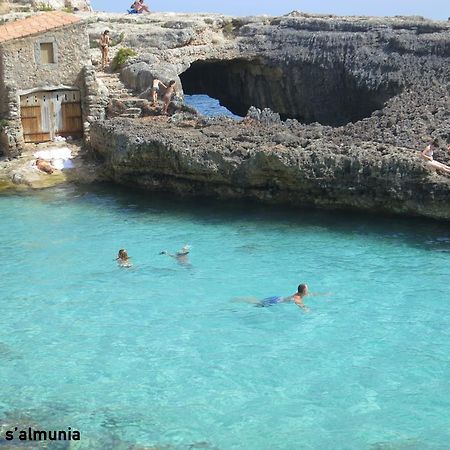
{"x": 160, "y": 354}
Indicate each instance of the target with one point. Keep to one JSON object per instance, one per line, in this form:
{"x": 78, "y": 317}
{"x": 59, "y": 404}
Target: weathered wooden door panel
{"x": 69, "y": 119}
{"x": 48, "y": 114}
{"x": 31, "y": 113}
{"x": 72, "y": 124}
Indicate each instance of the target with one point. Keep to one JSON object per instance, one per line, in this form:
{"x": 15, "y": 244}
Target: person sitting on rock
{"x": 44, "y": 166}
{"x": 140, "y": 7}
{"x": 170, "y": 92}
{"x": 428, "y": 153}
{"x": 155, "y": 89}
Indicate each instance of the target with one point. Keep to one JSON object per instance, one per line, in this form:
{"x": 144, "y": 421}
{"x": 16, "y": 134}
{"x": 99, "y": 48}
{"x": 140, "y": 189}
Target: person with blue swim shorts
{"x": 297, "y": 298}
{"x": 270, "y": 301}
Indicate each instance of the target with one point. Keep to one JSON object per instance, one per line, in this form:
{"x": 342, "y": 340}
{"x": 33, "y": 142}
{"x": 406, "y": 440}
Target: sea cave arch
{"x": 304, "y": 91}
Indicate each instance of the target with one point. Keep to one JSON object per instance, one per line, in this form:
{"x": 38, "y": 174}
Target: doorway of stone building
{"x": 47, "y": 114}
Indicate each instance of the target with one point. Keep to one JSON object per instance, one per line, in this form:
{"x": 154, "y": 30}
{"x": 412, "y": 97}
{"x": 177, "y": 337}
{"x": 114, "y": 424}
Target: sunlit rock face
{"x": 382, "y": 78}
{"x": 279, "y": 163}
{"x": 359, "y": 98}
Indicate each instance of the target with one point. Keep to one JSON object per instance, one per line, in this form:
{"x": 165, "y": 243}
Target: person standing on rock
{"x": 170, "y": 92}
{"x": 155, "y": 89}
{"x": 428, "y": 153}
{"x": 104, "y": 43}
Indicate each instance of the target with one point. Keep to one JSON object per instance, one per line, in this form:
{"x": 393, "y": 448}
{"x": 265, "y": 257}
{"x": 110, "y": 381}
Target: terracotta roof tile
{"x": 36, "y": 24}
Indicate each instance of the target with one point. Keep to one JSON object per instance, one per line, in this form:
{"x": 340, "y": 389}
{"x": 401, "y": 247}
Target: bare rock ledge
{"x": 273, "y": 163}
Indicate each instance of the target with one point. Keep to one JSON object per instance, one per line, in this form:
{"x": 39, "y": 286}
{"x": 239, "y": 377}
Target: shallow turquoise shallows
{"x": 162, "y": 354}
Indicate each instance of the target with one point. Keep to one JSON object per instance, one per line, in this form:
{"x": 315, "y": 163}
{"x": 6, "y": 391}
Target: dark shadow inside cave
{"x": 306, "y": 92}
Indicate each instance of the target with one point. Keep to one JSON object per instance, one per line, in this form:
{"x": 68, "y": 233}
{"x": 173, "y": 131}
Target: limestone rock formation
{"x": 360, "y": 97}
{"x": 283, "y": 163}
{"x": 383, "y": 79}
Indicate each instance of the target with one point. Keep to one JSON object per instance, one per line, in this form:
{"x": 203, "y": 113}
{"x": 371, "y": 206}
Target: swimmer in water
{"x": 297, "y": 298}
{"x": 181, "y": 255}
{"x": 123, "y": 259}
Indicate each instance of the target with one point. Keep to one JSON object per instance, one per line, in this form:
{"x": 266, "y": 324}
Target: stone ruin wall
{"x": 21, "y": 71}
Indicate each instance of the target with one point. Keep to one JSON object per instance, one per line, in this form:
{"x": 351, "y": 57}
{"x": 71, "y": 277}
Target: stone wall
{"x": 20, "y": 59}
{"x": 95, "y": 100}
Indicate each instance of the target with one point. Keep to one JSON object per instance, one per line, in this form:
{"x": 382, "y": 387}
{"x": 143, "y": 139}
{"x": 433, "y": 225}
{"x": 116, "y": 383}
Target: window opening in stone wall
{"x": 47, "y": 53}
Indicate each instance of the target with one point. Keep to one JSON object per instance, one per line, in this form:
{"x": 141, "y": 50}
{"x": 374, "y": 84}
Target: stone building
{"x": 47, "y": 83}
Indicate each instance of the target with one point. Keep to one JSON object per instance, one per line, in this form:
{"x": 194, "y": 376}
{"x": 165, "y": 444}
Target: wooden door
{"x": 48, "y": 114}
{"x": 35, "y": 115}
{"x": 70, "y": 123}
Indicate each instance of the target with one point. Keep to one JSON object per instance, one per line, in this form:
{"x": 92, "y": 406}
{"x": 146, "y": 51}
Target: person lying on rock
{"x": 44, "y": 166}
{"x": 428, "y": 153}
{"x": 170, "y": 92}
{"x": 155, "y": 89}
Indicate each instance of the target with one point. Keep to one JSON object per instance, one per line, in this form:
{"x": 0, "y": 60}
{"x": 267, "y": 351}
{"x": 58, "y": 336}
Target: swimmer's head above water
{"x": 123, "y": 255}
{"x": 302, "y": 289}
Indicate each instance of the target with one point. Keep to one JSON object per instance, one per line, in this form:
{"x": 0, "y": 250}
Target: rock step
{"x": 124, "y": 95}
{"x": 130, "y": 116}
{"x": 134, "y": 102}
{"x": 133, "y": 110}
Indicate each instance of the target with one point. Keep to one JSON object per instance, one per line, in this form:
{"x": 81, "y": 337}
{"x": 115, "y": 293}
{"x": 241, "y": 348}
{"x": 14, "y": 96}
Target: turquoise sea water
{"x": 208, "y": 106}
{"x": 159, "y": 355}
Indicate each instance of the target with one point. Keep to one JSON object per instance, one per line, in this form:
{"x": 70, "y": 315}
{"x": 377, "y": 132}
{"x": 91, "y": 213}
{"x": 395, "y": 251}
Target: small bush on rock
{"x": 122, "y": 56}
{"x": 45, "y": 7}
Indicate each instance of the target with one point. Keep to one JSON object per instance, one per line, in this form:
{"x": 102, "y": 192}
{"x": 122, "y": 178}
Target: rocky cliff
{"x": 283, "y": 163}
{"x": 384, "y": 79}
{"x": 360, "y": 97}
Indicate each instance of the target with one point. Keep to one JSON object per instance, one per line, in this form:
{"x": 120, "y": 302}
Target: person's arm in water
{"x": 299, "y": 302}
{"x": 165, "y": 252}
